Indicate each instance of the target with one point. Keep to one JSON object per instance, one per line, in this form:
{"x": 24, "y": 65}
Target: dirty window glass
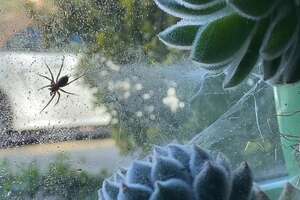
{"x": 122, "y": 91}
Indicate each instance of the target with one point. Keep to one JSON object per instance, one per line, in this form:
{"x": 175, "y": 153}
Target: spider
{"x": 56, "y": 84}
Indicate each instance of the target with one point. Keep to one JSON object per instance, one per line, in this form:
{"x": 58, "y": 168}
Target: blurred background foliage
{"x": 122, "y": 30}
{"x": 59, "y": 181}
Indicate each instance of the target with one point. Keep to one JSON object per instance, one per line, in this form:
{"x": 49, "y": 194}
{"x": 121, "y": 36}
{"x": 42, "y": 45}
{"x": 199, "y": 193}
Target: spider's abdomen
{"x": 63, "y": 81}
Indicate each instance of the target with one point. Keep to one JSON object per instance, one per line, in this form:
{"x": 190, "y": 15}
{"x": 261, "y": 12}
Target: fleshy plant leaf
{"x": 270, "y": 68}
{"x": 180, "y": 36}
{"x": 176, "y": 9}
{"x": 253, "y": 9}
{"x": 224, "y": 41}
{"x": 281, "y": 34}
{"x": 221, "y": 39}
{"x": 198, "y": 4}
{"x": 237, "y": 73}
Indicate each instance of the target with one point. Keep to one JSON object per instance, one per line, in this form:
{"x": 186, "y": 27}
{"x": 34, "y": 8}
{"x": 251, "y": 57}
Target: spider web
{"x": 239, "y": 122}
{"x": 248, "y": 131}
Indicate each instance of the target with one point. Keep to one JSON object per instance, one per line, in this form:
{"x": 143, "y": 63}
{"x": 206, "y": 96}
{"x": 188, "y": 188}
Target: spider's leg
{"x": 57, "y": 98}
{"x": 62, "y": 64}
{"x": 44, "y": 87}
{"x": 44, "y": 77}
{"x": 68, "y": 92}
{"x": 76, "y": 79}
{"x": 50, "y": 72}
{"x": 48, "y": 103}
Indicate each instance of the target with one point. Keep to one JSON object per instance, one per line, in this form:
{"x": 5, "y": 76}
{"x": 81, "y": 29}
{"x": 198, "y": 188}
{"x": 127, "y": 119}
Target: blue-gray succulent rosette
{"x": 186, "y": 172}
{"x": 180, "y": 172}
{"x": 236, "y": 35}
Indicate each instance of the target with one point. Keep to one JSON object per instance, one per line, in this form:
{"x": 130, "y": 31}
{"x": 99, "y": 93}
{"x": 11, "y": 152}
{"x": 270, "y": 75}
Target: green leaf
{"x": 280, "y": 35}
{"x": 179, "y": 36}
{"x": 221, "y": 39}
{"x": 197, "y": 4}
{"x": 276, "y": 70}
{"x": 214, "y": 68}
{"x": 284, "y": 69}
{"x": 270, "y": 68}
{"x": 198, "y": 1}
{"x": 252, "y": 8}
{"x": 178, "y": 10}
{"x": 237, "y": 73}
{"x": 291, "y": 72}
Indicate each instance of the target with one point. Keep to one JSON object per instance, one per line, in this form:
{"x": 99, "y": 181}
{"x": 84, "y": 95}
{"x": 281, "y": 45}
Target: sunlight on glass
{"x": 172, "y": 101}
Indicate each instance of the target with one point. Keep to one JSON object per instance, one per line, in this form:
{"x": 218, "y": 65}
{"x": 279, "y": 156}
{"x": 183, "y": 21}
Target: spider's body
{"x": 56, "y": 84}
{"x": 62, "y": 82}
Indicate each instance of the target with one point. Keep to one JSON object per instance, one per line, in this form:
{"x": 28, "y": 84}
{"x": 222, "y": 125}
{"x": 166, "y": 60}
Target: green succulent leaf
{"x": 221, "y": 39}
{"x": 179, "y": 36}
{"x": 253, "y": 9}
{"x": 280, "y": 70}
{"x": 198, "y": 4}
{"x": 271, "y": 69}
{"x": 235, "y": 35}
{"x": 214, "y": 68}
{"x": 176, "y": 9}
{"x": 280, "y": 35}
{"x": 237, "y": 73}
{"x": 291, "y": 72}
{"x": 198, "y": 1}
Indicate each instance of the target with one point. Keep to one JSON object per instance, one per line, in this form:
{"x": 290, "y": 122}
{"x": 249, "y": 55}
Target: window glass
{"x": 132, "y": 92}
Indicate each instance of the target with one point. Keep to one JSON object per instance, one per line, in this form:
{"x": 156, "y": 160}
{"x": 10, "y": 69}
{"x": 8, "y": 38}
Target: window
{"x": 134, "y": 93}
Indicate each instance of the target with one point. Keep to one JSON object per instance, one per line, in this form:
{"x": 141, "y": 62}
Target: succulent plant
{"x": 179, "y": 172}
{"x": 235, "y": 35}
